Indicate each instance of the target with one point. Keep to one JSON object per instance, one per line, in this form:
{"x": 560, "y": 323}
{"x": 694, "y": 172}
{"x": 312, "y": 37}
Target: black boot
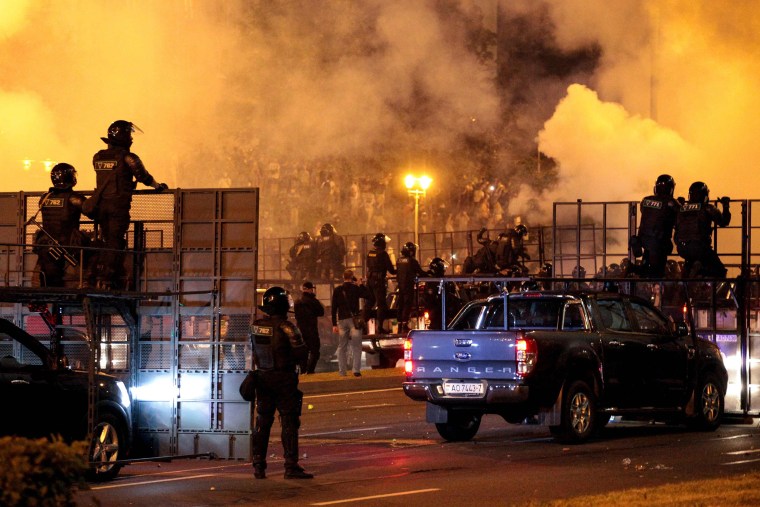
{"x": 290, "y": 448}
{"x": 260, "y": 446}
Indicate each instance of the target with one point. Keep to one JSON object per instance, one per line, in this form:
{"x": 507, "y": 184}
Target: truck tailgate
{"x": 463, "y": 355}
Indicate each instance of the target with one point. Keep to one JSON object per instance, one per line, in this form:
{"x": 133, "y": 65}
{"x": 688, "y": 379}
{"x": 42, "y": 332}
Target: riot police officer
{"x": 117, "y": 172}
{"x": 407, "y": 269}
{"x": 61, "y": 209}
{"x": 378, "y": 265}
{"x": 308, "y": 309}
{"x": 278, "y": 348}
{"x": 433, "y": 299}
{"x": 303, "y": 258}
{"x": 658, "y": 218}
{"x": 510, "y": 250}
{"x": 331, "y": 251}
{"x": 694, "y": 227}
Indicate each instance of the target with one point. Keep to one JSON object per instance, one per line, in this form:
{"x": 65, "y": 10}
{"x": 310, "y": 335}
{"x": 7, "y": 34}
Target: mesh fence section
{"x": 234, "y": 356}
{"x": 194, "y": 356}
{"x": 156, "y": 356}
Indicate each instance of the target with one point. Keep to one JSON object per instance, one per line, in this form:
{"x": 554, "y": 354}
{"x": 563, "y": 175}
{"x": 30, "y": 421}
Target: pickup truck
{"x": 569, "y": 359}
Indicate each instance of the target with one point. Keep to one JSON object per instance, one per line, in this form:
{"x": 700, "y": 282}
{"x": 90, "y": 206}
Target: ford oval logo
{"x": 462, "y": 356}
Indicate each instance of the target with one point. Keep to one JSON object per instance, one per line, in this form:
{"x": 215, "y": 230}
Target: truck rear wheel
{"x": 461, "y": 426}
{"x": 578, "y": 414}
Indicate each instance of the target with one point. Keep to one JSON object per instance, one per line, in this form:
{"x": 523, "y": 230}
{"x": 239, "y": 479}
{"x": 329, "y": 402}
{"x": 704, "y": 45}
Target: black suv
{"x": 41, "y": 398}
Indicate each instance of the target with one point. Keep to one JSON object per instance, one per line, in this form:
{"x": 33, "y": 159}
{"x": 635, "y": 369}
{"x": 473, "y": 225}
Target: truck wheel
{"x": 106, "y": 448}
{"x": 708, "y": 403}
{"x": 578, "y": 414}
{"x": 462, "y": 426}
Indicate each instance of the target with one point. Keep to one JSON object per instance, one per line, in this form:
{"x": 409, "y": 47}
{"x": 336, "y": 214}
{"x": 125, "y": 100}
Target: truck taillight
{"x": 408, "y": 356}
{"x": 525, "y": 355}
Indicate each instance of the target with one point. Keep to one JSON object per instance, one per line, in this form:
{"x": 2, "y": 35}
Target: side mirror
{"x": 682, "y": 329}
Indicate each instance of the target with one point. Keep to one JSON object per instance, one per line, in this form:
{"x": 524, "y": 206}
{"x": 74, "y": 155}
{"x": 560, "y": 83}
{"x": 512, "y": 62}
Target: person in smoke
{"x": 433, "y": 298}
{"x": 61, "y": 209}
{"x": 510, "y": 251}
{"x": 303, "y": 258}
{"x": 484, "y": 260}
{"x": 308, "y": 309}
{"x": 694, "y": 226}
{"x": 331, "y": 252}
{"x": 278, "y": 348}
{"x": 408, "y": 269}
{"x": 658, "y": 218}
{"x": 117, "y": 172}
{"x": 378, "y": 265}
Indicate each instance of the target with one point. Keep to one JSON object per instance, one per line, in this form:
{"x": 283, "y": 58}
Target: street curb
{"x": 326, "y": 383}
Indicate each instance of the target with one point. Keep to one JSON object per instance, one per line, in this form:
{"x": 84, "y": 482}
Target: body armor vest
{"x": 112, "y": 173}
{"x": 262, "y": 335}
{"x": 658, "y": 216}
{"x": 277, "y": 344}
{"x": 694, "y": 223}
{"x": 406, "y": 272}
{"x": 59, "y": 217}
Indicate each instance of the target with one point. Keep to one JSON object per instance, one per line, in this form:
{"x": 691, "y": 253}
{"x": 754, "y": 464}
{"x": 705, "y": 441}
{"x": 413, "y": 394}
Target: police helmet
{"x": 327, "y": 229}
{"x": 437, "y": 266}
{"x": 380, "y": 239}
{"x": 63, "y": 176}
{"x": 521, "y": 230}
{"x": 275, "y": 301}
{"x": 120, "y": 133}
{"x": 698, "y": 192}
{"x": 409, "y": 249}
{"x": 664, "y": 186}
{"x": 303, "y": 237}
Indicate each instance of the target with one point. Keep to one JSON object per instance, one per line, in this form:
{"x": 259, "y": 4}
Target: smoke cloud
{"x": 673, "y": 94}
{"x": 223, "y": 88}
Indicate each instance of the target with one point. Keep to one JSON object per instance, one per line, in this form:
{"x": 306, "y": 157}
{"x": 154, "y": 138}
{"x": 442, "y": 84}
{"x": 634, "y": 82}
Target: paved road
{"x": 372, "y": 447}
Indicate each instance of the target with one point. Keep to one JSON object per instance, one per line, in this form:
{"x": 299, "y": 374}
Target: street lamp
{"x": 417, "y": 187}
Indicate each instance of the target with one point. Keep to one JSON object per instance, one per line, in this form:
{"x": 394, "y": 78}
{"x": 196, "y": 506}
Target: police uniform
{"x": 694, "y": 227}
{"x": 408, "y": 269}
{"x": 658, "y": 217}
{"x": 303, "y": 260}
{"x": 277, "y": 348}
{"x": 378, "y": 264}
{"x": 116, "y": 168}
{"x": 61, "y": 213}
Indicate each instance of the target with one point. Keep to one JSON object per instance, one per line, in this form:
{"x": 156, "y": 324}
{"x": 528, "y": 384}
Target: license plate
{"x": 463, "y": 388}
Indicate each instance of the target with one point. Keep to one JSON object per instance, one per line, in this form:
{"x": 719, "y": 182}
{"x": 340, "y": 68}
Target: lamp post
{"x": 417, "y": 186}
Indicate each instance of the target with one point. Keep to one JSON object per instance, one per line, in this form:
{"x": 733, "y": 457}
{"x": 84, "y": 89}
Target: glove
{"x": 160, "y": 187}
{"x": 681, "y": 201}
{"x": 725, "y": 201}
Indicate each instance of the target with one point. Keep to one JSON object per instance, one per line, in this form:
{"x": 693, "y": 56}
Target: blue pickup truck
{"x": 570, "y": 359}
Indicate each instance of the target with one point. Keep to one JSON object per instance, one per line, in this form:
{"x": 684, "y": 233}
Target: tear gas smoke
{"x": 673, "y": 91}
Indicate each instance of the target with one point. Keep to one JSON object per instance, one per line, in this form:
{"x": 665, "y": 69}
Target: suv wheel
{"x": 708, "y": 404}
{"x": 106, "y": 448}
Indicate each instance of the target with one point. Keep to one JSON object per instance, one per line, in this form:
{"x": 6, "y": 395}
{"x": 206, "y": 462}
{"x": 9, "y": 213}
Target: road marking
{"x": 351, "y": 392}
{"x": 374, "y": 497}
{"x": 378, "y": 405}
{"x": 731, "y": 438}
{"x": 372, "y": 428}
{"x": 748, "y": 451}
{"x": 111, "y": 486}
{"x": 741, "y": 462}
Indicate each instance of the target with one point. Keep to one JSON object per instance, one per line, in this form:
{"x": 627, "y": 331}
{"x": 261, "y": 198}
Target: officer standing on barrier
{"x": 378, "y": 265}
{"x": 117, "y": 172}
{"x": 658, "y": 218}
{"x": 408, "y": 269}
{"x": 694, "y": 227}
{"x": 278, "y": 348}
{"x": 61, "y": 211}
